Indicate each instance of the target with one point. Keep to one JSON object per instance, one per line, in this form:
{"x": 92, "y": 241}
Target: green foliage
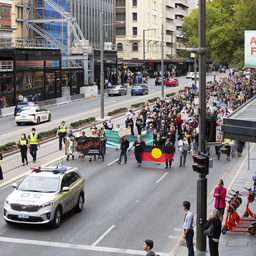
{"x": 170, "y": 94}
{"x": 6, "y": 146}
{"x": 226, "y": 21}
{"x": 152, "y": 100}
{"x": 136, "y": 105}
{"x": 47, "y": 133}
{"x": 117, "y": 111}
{"x": 83, "y": 121}
{"x": 180, "y": 91}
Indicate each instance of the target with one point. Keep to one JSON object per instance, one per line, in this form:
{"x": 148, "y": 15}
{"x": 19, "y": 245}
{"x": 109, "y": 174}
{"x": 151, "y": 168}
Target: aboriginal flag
{"x": 156, "y": 154}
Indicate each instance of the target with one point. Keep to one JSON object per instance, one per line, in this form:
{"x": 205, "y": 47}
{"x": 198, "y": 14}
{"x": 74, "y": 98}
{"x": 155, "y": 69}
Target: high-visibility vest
{"x": 227, "y": 140}
{"x": 63, "y": 129}
{"x": 23, "y": 142}
{"x": 33, "y": 139}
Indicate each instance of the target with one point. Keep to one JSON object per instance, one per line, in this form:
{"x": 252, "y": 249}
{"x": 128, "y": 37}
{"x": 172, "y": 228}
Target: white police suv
{"x": 45, "y": 195}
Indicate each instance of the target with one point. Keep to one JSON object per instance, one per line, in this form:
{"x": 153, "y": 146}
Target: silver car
{"x": 45, "y": 195}
{"x": 117, "y": 90}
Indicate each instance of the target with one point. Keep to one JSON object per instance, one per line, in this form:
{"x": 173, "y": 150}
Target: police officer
{"x": 33, "y": 143}
{"x": 62, "y": 133}
{"x": 23, "y": 145}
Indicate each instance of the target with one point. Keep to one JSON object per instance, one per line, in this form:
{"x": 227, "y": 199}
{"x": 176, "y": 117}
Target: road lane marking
{"x": 76, "y": 246}
{"x": 113, "y": 162}
{"x": 162, "y": 177}
{"x": 101, "y": 237}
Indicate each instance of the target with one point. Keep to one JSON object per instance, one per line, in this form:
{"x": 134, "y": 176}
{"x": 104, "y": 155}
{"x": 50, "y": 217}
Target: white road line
{"x": 112, "y": 101}
{"x": 76, "y": 246}
{"x": 162, "y": 177}
{"x": 113, "y": 162}
{"x": 98, "y": 240}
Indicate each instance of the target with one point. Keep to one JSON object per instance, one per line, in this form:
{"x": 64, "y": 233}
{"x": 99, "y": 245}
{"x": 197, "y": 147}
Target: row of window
{"x": 121, "y": 3}
{"x": 122, "y": 31}
{"x": 121, "y": 16}
{"x": 120, "y": 47}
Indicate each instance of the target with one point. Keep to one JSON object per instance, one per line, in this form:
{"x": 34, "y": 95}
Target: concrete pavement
{"x": 234, "y": 243}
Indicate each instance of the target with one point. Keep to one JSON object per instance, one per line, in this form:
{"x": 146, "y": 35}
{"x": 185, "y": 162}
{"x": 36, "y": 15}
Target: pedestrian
{"x": 138, "y": 144}
{"x": 78, "y": 133}
{"x": 36, "y": 98}
{"x": 23, "y": 145}
{"x": 168, "y": 143}
{"x": 123, "y": 149}
{"x": 147, "y": 246}
{"x": 103, "y": 142}
{"x": 220, "y": 195}
{"x": 214, "y": 219}
{"x": 33, "y": 143}
{"x": 69, "y": 143}
{"x": 62, "y": 133}
{"x": 93, "y": 134}
{"x": 183, "y": 149}
{"x": 1, "y": 172}
{"x": 188, "y": 228}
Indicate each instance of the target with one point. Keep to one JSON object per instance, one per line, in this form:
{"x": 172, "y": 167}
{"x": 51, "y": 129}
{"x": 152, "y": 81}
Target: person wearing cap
{"x": 33, "y": 143}
{"x": 62, "y": 133}
{"x": 188, "y": 228}
{"x": 138, "y": 144}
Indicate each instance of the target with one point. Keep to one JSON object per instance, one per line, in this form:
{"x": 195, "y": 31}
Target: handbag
{"x": 209, "y": 231}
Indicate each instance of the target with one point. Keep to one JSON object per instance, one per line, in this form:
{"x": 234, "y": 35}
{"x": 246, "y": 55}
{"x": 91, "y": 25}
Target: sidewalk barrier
{"x": 77, "y": 96}
{"x": 89, "y": 91}
{"x": 7, "y": 111}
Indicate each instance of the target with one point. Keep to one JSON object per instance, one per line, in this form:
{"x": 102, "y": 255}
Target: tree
{"x": 226, "y": 21}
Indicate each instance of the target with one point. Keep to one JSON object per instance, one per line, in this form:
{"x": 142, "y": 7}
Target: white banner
{"x": 250, "y": 49}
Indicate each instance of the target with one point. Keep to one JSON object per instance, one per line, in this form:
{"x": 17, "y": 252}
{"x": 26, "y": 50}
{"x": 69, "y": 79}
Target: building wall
{"x": 151, "y": 14}
{"x": 6, "y": 28}
{"x": 87, "y": 14}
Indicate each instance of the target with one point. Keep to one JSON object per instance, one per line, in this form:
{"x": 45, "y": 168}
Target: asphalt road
{"x": 124, "y": 206}
{"x": 85, "y": 108}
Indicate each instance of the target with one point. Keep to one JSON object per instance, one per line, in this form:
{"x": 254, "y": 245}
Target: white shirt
{"x": 188, "y": 220}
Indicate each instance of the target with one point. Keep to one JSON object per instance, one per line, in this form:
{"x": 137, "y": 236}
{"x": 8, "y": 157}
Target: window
{"x": 168, "y": 8}
{"x": 134, "y": 16}
{"x": 134, "y": 3}
{"x": 119, "y": 47}
{"x": 169, "y": 20}
{"x": 134, "y": 31}
{"x": 120, "y": 16}
{"x": 120, "y": 31}
{"x": 135, "y": 47}
{"x": 120, "y": 3}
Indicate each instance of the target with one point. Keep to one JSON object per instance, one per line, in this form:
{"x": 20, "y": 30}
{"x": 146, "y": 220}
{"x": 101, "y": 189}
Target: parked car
{"x": 222, "y": 70}
{"x": 21, "y": 105}
{"x": 117, "y": 90}
{"x": 44, "y": 196}
{"x": 189, "y": 75}
{"x": 139, "y": 89}
{"x": 193, "y": 76}
{"x": 172, "y": 82}
{"x": 34, "y": 115}
{"x": 158, "y": 81}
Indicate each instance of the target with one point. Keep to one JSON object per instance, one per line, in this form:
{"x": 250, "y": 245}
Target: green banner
{"x": 113, "y": 138}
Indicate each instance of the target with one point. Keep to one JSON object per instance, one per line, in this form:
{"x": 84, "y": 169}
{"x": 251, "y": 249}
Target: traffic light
{"x": 202, "y": 164}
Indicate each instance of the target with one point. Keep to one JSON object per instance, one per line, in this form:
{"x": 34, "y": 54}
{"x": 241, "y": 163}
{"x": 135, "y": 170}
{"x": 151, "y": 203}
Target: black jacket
{"x": 217, "y": 227}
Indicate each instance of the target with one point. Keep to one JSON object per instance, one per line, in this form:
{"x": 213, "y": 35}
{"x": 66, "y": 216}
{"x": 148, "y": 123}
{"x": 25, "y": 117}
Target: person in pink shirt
{"x": 220, "y": 195}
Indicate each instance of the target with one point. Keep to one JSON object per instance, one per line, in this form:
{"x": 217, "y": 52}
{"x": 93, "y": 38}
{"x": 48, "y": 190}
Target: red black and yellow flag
{"x": 157, "y": 154}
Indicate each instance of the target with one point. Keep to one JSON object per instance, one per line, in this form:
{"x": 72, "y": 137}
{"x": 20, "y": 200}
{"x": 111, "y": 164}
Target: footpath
{"x": 234, "y": 243}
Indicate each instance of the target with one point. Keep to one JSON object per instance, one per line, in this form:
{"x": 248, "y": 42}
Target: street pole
{"x": 202, "y": 181}
{"x": 101, "y": 67}
{"x": 144, "y": 52}
{"x": 162, "y": 62}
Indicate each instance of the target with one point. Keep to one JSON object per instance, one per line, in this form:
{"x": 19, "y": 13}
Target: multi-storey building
{"x": 141, "y": 28}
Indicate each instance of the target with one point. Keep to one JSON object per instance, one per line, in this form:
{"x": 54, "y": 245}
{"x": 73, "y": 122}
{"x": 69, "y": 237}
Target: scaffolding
{"x": 48, "y": 23}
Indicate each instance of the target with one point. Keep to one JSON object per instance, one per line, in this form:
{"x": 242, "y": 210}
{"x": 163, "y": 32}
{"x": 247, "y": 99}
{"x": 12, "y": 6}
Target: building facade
{"x": 142, "y": 27}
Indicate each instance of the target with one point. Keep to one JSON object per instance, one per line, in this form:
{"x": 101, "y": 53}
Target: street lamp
{"x": 102, "y": 63}
{"x": 162, "y": 58}
{"x": 144, "y": 50}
